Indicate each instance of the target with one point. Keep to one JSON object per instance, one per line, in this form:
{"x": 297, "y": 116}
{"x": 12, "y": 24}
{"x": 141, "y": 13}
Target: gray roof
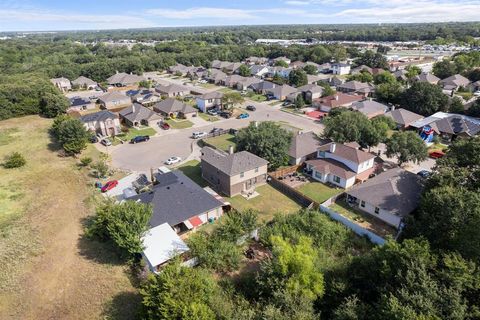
{"x": 348, "y": 152}
{"x": 427, "y": 77}
{"x": 457, "y": 124}
{"x": 98, "y": 116}
{"x": 124, "y": 78}
{"x": 283, "y": 90}
{"x": 263, "y": 85}
{"x": 456, "y": 80}
{"x": 232, "y": 164}
{"x": 113, "y": 96}
{"x": 211, "y": 95}
{"x": 331, "y": 166}
{"x": 396, "y": 190}
{"x": 304, "y": 144}
{"x": 313, "y": 88}
{"x": 176, "y": 198}
{"x": 82, "y": 81}
{"x": 137, "y": 112}
{"x": 369, "y": 108}
{"x": 173, "y": 105}
{"x": 354, "y": 85}
{"x": 403, "y": 116}
{"x": 172, "y": 88}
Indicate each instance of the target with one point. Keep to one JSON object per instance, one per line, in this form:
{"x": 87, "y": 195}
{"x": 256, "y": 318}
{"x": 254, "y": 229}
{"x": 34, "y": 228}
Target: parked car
{"x": 243, "y": 116}
{"x": 215, "y": 130}
{"x": 173, "y": 160}
{"x": 199, "y": 135}
{"x": 270, "y": 97}
{"x": 138, "y": 139}
{"x": 436, "y": 154}
{"x": 225, "y": 114}
{"x": 106, "y": 142}
{"x": 93, "y": 139}
{"x": 286, "y": 103}
{"x": 251, "y": 108}
{"x": 423, "y": 173}
{"x": 477, "y": 93}
{"x": 109, "y": 185}
{"x": 164, "y": 125}
{"x": 212, "y": 112}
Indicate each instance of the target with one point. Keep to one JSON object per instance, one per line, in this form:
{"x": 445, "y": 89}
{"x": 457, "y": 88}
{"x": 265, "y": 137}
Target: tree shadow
{"x": 125, "y": 305}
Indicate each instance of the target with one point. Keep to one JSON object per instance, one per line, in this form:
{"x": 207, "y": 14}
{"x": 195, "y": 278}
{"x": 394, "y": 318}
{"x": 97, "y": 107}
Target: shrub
{"x": 100, "y": 168}
{"x": 85, "y": 161}
{"x": 15, "y": 160}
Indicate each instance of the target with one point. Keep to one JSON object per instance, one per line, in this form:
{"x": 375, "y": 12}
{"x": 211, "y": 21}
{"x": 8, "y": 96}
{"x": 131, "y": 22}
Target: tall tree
{"x": 372, "y": 59}
{"x": 297, "y": 78}
{"x": 444, "y": 69}
{"x": 424, "y": 98}
{"x": 406, "y": 146}
{"x": 310, "y": 69}
{"x": 71, "y": 134}
{"x": 231, "y": 99}
{"x": 244, "y": 71}
{"x": 52, "y": 105}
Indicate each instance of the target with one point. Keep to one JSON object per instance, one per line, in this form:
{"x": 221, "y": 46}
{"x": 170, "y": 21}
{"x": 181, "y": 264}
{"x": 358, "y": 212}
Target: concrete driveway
{"x": 143, "y": 156}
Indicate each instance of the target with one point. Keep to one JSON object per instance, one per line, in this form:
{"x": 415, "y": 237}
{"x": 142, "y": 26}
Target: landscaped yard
{"x": 222, "y": 142}
{"x": 318, "y": 191}
{"x": 133, "y": 132}
{"x": 207, "y": 117}
{"x": 269, "y": 202}
{"x": 226, "y": 90}
{"x": 179, "y": 124}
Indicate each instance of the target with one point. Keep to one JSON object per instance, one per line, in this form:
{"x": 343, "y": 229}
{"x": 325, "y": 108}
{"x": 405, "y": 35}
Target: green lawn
{"x": 268, "y": 203}
{"x": 222, "y": 142}
{"x": 133, "y": 132}
{"x": 179, "y": 124}
{"x": 192, "y": 170}
{"x": 207, "y": 117}
{"x": 256, "y": 97}
{"x": 206, "y": 85}
{"x": 287, "y": 126}
{"x": 226, "y": 90}
{"x": 318, "y": 191}
{"x": 437, "y": 147}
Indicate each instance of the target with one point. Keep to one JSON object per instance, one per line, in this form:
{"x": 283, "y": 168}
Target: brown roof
{"x": 332, "y": 166}
{"x": 403, "y": 117}
{"x": 304, "y": 144}
{"x": 348, "y": 152}
{"x": 338, "y": 100}
{"x": 232, "y": 164}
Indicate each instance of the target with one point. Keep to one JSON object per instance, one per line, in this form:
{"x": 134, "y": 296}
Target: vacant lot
{"x": 48, "y": 270}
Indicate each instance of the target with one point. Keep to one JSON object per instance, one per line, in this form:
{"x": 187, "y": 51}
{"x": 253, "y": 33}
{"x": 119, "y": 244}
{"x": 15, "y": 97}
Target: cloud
{"x": 203, "y": 12}
{"x": 298, "y": 3}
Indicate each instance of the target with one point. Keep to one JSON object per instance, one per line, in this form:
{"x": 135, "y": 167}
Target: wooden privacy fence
{"x": 293, "y": 194}
{"x": 284, "y": 171}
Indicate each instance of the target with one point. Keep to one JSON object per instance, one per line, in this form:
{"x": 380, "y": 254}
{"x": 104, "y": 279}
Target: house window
{"x": 336, "y": 179}
{"x": 256, "y": 169}
{"x": 242, "y": 174}
{"x": 321, "y": 154}
{"x": 377, "y": 210}
{"x": 318, "y": 175}
{"x": 362, "y": 204}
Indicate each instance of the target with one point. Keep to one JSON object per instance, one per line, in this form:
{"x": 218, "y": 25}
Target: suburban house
{"x": 390, "y": 196}
{"x": 403, "y": 118}
{"x": 233, "y": 173}
{"x": 454, "y": 82}
{"x": 401, "y": 75}
{"x": 370, "y": 108}
{"x": 209, "y": 100}
{"x": 84, "y": 83}
{"x": 256, "y": 60}
{"x": 324, "y": 67}
{"x": 284, "y": 59}
{"x": 103, "y": 122}
{"x": 231, "y": 81}
{"x": 174, "y": 108}
{"x": 258, "y": 70}
{"x": 310, "y": 92}
{"x": 246, "y": 82}
{"x": 161, "y": 244}
{"x": 427, "y": 77}
{"x": 340, "y": 68}
{"x": 215, "y": 76}
{"x": 145, "y": 97}
{"x": 361, "y": 68}
{"x": 123, "y": 79}
{"x": 282, "y": 92}
{"x": 180, "y": 202}
{"x": 181, "y": 69}
{"x": 449, "y": 125}
{"x": 63, "y": 84}
{"x": 355, "y": 87}
{"x": 339, "y": 99}
{"x": 172, "y": 90}
{"x": 341, "y": 165}
{"x": 304, "y": 146}
{"x": 114, "y": 100}
{"x": 262, "y": 87}
{"x": 137, "y": 115}
{"x": 280, "y": 71}
{"x": 80, "y": 104}
{"x": 334, "y": 81}
{"x": 297, "y": 64}
{"x": 227, "y": 66}
{"x": 313, "y": 79}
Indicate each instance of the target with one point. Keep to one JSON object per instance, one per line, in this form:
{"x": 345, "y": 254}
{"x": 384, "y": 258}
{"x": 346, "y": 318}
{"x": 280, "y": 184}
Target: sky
{"x": 52, "y": 15}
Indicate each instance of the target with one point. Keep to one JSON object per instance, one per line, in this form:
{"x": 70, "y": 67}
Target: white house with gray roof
{"x": 209, "y": 100}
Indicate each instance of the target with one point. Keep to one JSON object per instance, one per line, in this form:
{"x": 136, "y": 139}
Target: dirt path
{"x": 69, "y": 277}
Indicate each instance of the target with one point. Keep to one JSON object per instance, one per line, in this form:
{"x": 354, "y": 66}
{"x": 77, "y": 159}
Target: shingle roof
{"x": 176, "y": 198}
{"x": 456, "y": 80}
{"x": 396, "y": 190}
{"x": 354, "y": 85}
{"x": 81, "y": 81}
{"x": 79, "y": 101}
{"x": 330, "y": 166}
{"x": 137, "y": 112}
{"x": 172, "y": 88}
{"x": 98, "y": 116}
{"x": 427, "y": 77}
{"x": 347, "y": 152}
{"x": 263, "y": 85}
{"x": 403, "y": 116}
{"x": 312, "y": 88}
{"x": 339, "y": 99}
{"x": 124, "y": 78}
{"x": 232, "y": 164}
{"x": 370, "y": 108}
{"x": 305, "y": 144}
{"x": 211, "y": 95}
{"x": 113, "y": 96}
{"x": 173, "y": 105}
{"x": 284, "y": 90}
{"x": 457, "y": 124}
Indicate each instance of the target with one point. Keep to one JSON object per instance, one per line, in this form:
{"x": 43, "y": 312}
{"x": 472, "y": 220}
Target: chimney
{"x": 230, "y": 149}
{"x": 256, "y": 124}
{"x": 333, "y": 147}
{"x": 133, "y": 107}
{"x": 336, "y": 97}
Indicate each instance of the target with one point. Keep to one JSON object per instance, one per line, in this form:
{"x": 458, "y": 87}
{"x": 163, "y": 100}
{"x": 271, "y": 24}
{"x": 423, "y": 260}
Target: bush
{"x": 85, "y": 161}
{"x": 100, "y": 169}
{"x": 15, "y": 160}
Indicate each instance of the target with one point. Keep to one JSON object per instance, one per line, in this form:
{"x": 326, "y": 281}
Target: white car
{"x": 477, "y": 93}
{"x": 106, "y": 142}
{"x": 199, "y": 135}
{"x": 173, "y": 160}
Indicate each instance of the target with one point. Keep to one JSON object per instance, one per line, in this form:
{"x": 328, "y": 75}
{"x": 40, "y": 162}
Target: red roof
{"x": 195, "y": 221}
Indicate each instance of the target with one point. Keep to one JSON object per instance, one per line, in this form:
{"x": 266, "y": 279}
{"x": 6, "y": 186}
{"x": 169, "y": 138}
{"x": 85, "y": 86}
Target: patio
{"x": 293, "y": 180}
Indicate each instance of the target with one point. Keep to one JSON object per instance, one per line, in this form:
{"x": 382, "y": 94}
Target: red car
{"x": 436, "y": 154}
{"x": 109, "y": 185}
{"x": 165, "y": 126}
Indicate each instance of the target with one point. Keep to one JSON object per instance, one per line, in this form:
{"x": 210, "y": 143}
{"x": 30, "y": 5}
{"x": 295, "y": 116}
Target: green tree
{"x": 281, "y": 63}
{"x": 310, "y": 69}
{"x": 14, "y": 160}
{"x": 72, "y": 135}
{"x": 348, "y": 126}
{"x": 372, "y": 59}
{"x": 412, "y": 71}
{"x": 299, "y": 102}
{"x": 424, "y": 98}
{"x": 278, "y": 79}
{"x": 474, "y": 110}
{"x": 389, "y": 92}
{"x": 444, "y": 69}
{"x": 52, "y": 105}
{"x": 231, "y": 99}
{"x": 327, "y": 90}
{"x": 145, "y": 84}
{"x": 406, "y": 146}
{"x": 297, "y": 78}
{"x": 124, "y": 223}
{"x": 244, "y": 71}
{"x": 384, "y": 77}
{"x": 362, "y": 76}
{"x": 267, "y": 140}
{"x": 456, "y": 105}
{"x": 100, "y": 169}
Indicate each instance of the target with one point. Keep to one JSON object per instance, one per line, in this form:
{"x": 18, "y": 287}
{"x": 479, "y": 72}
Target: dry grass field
{"x": 48, "y": 270}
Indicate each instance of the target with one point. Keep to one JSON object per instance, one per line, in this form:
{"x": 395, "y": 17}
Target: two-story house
{"x": 103, "y": 122}
{"x": 209, "y": 100}
{"x": 233, "y": 173}
{"x": 341, "y": 164}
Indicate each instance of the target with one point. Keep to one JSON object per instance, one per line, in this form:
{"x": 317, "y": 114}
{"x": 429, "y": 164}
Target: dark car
{"x": 138, "y": 139}
{"x": 423, "y": 173}
{"x": 270, "y": 97}
{"x": 93, "y": 139}
{"x": 251, "y": 108}
{"x": 225, "y": 114}
{"x": 215, "y": 130}
{"x": 164, "y": 126}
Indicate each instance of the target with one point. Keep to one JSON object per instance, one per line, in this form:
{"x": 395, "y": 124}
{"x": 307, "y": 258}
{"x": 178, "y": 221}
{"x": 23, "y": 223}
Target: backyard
{"x": 222, "y": 142}
{"x": 192, "y": 170}
{"x": 318, "y": 191}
